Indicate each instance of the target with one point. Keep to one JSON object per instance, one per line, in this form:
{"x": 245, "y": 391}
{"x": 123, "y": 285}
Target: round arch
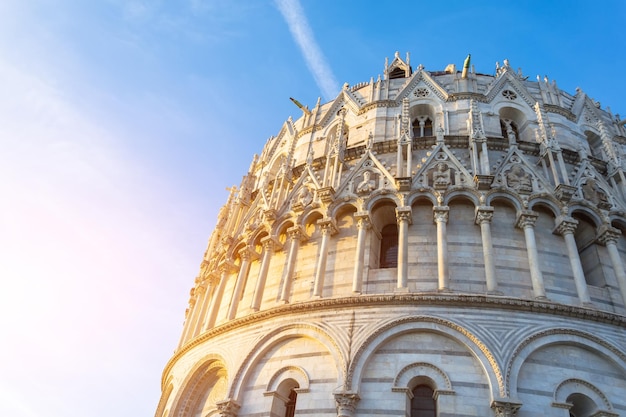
{"x": 198, "y": 380}
{"x": 505, "y": 197}
{"x": 577, "y": 386}
{"x": 279, "y": 335}
{"x": 550, "y": 337}
{"x": 465, "y": 194}
{"x": 588, "y": 211}
{"x": 385, "y": 331}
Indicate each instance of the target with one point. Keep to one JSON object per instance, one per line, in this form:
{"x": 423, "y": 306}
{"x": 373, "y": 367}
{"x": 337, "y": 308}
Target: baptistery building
{"x": 429, "y": 243}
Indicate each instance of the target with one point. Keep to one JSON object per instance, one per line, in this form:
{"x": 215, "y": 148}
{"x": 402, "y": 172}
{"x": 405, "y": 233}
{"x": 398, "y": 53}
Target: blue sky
{"x": 122, "y": 122}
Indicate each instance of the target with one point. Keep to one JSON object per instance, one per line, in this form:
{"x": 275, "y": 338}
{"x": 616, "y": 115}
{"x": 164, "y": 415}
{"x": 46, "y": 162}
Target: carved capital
{"x": 226, "y": 266}
{"x": 608, "y": 235}
{"x": 565, "y": 225}
{"x": 247, "y": 254}
{"x": 346, "y": 403}
{"x": 483, "y": 214}
{"x": 296, "y": 233}
{"x": 228, "y": 408}
{"x": 441, "y": 214}
{"x": 268, "y": 243}
{"x": 269, "y": 215}
{"x": 404, "y": 214}
{"x": 526, "y": 218}
{"x": 327, "y": 226}
{"x": 213, "y": 279}
{"x": 505, "y": 408}
{"x": 363, "y": 219}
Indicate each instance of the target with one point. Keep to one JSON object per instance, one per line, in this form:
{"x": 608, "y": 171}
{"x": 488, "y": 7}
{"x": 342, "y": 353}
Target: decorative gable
{"x": 420, "y": 86}
{"x": 517, "y": 174}
{"x": 441, "y": 169}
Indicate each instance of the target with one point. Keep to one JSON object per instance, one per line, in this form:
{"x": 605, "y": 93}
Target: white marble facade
{"x": 458, "y": 233}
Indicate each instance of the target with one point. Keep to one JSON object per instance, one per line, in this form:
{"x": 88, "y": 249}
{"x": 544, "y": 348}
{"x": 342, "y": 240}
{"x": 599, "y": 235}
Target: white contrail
{"x": 302, "y": 34}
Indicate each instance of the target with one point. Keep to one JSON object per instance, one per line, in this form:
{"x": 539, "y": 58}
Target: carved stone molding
{"x": 564, "y": 192}
{"x": 326, "y": 194}
{"x": 483, "y": 182}
{"x": 424, "y": 299}
{"x": 403, "y": 183}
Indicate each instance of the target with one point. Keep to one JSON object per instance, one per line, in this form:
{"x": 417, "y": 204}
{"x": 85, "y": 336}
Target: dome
{"x": 427, "y": 244}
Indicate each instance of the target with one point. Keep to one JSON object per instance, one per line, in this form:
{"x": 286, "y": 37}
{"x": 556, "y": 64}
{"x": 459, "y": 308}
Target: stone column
{"x": 441, "y": 219}
{"x": 363, "y": 224}
{"x": 268, "y": 247}
{"x": 207, "y": 285}
{"x": 224, "y": 268}
{"x": 245, "y": 255}
{"x": 608, "y": 236}
{"x": 565, "y": 227}
{"x": 526, "y": 221}
{"x": 404, "y": 218}
{"x": 346, "y": 403}
{"x": 189, "y": 317}
{"x": 483, "y": 217}
{"x": 328, "y": 228}
{"x": 295, "y": 235}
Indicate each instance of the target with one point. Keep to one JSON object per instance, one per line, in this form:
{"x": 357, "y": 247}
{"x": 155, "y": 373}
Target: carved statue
{"x": 594, "y": 194}
{"x": 519, "y": 180}
{"x": 305, "y": 197}
{"x": 367, "y": 185}
{"x": 441, "y": 176}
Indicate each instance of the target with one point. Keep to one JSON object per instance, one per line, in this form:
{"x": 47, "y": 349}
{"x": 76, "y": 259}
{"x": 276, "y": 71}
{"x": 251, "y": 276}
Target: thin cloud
{"x": 302, "y": 34}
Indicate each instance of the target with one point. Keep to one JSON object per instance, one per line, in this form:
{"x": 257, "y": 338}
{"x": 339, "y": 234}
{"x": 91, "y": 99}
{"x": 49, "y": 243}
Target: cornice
{"x": 474, "y": 301}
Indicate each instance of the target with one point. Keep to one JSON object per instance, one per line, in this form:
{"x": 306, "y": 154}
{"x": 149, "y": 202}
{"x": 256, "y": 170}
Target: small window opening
{"x": 290, "y": 405}
{"x": 423, "y": 402}
{"x": 397, "y": 73}
{"x": 389, "y": 247}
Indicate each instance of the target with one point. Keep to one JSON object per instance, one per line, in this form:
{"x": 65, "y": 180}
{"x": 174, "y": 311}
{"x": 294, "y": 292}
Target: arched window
{"x": 423, "y": 402}
{"x": 284, "y": 403}
{"x": 389, "y": 247}
{"x": 582, "y": 406}
{"x": 397, "y": 73}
